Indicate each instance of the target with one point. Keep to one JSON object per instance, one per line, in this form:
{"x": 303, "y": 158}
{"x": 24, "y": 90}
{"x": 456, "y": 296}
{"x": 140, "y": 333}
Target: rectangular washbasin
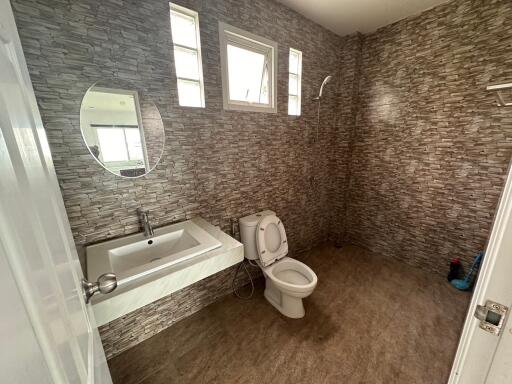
{"x": 136, "y": 256}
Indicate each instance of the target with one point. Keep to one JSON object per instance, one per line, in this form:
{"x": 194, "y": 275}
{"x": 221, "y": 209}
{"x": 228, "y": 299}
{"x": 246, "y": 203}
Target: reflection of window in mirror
{"x": 113, "y": 130}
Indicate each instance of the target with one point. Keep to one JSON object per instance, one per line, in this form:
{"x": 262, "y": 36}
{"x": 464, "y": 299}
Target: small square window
{"x": 183, "y": 27}
{"x": 189, "y": 93}
{"x": 186, "y": 63}
{"x": 294, "y": 82}
{"x": 293, "y": 105}
{"x": 248, "y": 70}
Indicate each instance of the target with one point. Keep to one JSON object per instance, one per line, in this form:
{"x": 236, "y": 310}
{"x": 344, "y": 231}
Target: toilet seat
{"x": 292, "y": 275}
{"x": 271, "y": 240}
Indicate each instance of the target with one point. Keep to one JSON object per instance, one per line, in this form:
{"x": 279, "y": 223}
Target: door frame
{"x": 30, "y": 235}
{"x": 468, "y": 361}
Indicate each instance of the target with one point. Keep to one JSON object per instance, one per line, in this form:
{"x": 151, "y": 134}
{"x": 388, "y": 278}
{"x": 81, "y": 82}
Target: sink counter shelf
{"x": 151, "y": 268}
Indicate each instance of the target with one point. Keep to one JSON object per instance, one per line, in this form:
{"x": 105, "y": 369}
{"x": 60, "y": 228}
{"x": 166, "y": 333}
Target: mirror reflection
{"x": 122, "y": 129}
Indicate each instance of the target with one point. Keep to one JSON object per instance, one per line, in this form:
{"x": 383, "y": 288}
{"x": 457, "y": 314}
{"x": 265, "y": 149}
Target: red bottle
{"x": 455, "y": 270}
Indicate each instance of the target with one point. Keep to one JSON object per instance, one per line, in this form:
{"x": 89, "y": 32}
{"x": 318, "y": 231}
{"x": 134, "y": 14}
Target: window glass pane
{"x": 293, "y": 81}
{"x": 134, "y": 144}
{"x": 264, "y": 94}
{"x": 189, "y": 93}
{"x": 183, "y": 30}
{"x": 186, "y": 63}
{"x": 293, "y": 105}
{"x": 248, "y": 75}
{"x": 294, "y": 62}
{"x": 112, "y": 144}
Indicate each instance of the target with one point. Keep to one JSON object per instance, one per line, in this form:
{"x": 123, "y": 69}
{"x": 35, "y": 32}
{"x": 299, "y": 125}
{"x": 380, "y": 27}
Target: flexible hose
{"x": 233, "y": 284}
{"x": 252, "y": 263}
{"x": 234, "y": 225}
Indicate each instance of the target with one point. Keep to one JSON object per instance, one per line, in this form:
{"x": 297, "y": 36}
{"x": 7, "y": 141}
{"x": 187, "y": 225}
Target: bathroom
{"x": 374, "y": 140}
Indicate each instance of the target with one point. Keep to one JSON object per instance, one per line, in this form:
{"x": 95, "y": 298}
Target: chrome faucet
{"x": 148, "y": 228}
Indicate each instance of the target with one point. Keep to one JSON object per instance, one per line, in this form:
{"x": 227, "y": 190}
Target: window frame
{"x": 249, "y": 41}
{"x": 182, "y": 11}
{"x": 299, "y": 81}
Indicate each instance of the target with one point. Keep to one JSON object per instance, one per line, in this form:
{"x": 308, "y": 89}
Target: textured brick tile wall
{"x": 129, "y": 330}
{"x": 431, "y": 149}
{"x": 217, "y": 164}
{"x": 341, "y": 145}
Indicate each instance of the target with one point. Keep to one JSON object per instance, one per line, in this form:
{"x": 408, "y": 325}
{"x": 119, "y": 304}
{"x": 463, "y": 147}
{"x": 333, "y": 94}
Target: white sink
{"x": 135, "y": 256}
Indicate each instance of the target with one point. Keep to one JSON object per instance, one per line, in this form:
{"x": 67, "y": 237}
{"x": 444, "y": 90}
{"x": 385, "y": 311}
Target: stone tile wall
{"x": 431, "y": 148}
{"x": 129, "y": 330}
{"x": 350, "y": 67}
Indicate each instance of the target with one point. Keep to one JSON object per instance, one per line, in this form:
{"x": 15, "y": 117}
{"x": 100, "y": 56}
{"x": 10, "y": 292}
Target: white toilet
{"x": 287, "y": 281}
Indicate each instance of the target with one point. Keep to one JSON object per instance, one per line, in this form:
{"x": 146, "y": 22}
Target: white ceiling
{"x": 348, "y": 16}
{"x": 106, "y": 101}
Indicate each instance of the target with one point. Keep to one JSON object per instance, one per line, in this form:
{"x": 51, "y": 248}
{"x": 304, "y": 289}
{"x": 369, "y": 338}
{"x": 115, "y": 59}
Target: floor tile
{"x": 370, "y": 320}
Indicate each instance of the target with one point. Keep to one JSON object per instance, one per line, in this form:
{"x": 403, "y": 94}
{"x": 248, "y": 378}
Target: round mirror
{"x": 122, "y": 128}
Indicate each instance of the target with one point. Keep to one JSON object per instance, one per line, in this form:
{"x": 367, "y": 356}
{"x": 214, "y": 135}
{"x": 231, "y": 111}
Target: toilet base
{"x": 288, "y": 305}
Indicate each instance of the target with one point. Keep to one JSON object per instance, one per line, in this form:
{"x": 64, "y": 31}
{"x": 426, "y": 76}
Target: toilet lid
{"x": 271, "y": 240}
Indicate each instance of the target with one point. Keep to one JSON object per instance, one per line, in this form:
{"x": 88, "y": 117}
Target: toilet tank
{"x": 247, "y": 226}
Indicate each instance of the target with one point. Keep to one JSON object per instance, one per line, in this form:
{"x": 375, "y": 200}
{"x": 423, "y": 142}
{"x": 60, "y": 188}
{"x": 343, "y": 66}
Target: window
{"x": 294, "y": 82}
{"x": 187, "y": 56}
{"x": 248, "y": 65}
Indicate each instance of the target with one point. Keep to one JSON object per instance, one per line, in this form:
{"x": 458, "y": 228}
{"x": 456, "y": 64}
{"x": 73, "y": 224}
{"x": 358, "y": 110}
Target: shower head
{"x": 326, "y": 80}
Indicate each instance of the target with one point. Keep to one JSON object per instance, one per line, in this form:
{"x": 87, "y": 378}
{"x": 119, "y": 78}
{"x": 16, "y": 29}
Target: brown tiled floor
{"x": 369, "y": 321}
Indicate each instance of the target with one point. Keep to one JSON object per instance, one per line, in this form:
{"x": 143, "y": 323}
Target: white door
{"x": 47, "y": 330}
{"x": 483, "y": 357}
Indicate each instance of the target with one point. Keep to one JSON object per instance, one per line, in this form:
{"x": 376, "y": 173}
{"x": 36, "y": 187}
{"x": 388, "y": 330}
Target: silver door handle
{"x": 106, "y": 283}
